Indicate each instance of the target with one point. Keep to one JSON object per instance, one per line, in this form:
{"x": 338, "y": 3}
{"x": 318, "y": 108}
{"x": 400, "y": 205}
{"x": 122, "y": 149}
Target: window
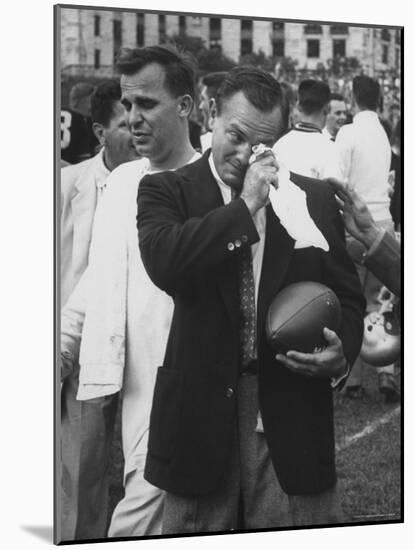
{"x": 278, "y": 48}
{"x": 97, "y": 56}
{"x": 278, "y": 27}
{"x": 215, "y": 31}
{"x": 182, "y": 25}
{"x": 97, "y": 25}
{"x": 117, "y": 31}
{"x": 117, "y": 34}
{"x": 162, "y": 29}
{"x": 385, "y": 53}
{"x": 246, "y": 36}
{"x": 313, "y": 48}
{"x": 339, "y": 29}
{"x": 140, "y": 30}
{"x": 339, "y": 48}
{"x": 385, "y": 35}
{"x": 313, "y": 29}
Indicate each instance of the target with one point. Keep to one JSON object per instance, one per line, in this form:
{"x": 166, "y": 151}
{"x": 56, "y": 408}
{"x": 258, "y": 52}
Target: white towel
{"x": 289, "y": 204}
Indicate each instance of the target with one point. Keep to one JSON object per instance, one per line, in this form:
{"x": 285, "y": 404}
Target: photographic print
{"x": 228, "y": 272}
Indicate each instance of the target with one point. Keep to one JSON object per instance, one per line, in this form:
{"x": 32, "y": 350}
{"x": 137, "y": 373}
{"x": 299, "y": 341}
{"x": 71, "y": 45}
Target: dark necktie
{"x": 247, "y": 309}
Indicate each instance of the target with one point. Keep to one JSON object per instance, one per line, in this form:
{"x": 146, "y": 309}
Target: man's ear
{"x": 212, "y": 105}
{"x": 99, "y": 132}
{"x": 185, "y": 106}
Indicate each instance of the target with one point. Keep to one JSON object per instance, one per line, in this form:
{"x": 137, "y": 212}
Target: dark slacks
{"x": 86, "y": 435}
{"x": 249, "y": 496}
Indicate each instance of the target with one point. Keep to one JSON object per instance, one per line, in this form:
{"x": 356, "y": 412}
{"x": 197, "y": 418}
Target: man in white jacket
{"x": 117, "y": 320}
{"x": 82, "y": 186}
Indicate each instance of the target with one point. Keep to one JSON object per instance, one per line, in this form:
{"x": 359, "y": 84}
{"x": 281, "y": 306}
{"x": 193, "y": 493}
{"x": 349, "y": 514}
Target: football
{"x": 298, "y": 314}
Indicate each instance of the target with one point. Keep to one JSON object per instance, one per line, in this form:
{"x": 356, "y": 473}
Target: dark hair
{"x": 288, "y": 99}
{"x": 103, "y": 100}
{"x": 336, "y": 97}
{"x": 178, "y": 66}
{"x": 259, "y": 87}
{"x": 313, "y": 96}
{"x": 212, "y": 82}
{"x": 366, "y": 92}
{"x": 81, "y": 90}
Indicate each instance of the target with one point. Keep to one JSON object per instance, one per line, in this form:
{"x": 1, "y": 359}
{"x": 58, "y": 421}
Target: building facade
{"x": 90, "y": 39}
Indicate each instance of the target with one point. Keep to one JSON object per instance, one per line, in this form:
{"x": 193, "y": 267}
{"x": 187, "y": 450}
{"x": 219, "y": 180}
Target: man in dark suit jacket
{"x": 206, "y": 445}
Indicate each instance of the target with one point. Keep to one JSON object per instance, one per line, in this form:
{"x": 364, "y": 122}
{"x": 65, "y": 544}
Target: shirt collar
{"x": 224, "y": 188}
{"x": 307, "y": 127}
{"x": 365, "y": 114}
{"x": 102, "y": 171}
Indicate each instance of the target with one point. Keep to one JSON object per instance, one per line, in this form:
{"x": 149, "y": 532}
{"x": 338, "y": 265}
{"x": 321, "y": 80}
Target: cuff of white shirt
{"x": 336, "y": 381}
{"x": 93, "y": 391}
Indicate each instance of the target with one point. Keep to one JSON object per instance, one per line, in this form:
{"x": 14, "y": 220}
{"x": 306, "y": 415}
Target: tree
{"x": 267, "y": 63}
{"x": 208, "y": 60}
{"x": 286, "y": 68}
{"x": 343, "y": 66}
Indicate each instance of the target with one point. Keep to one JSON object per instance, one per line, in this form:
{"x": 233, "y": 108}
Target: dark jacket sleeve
{"x": 341, "y": 276}
{"x": 176, "y": 248}
{"x": 383, "y": 259}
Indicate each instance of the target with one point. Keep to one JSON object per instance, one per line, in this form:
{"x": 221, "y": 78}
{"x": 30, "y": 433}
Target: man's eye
{"x": 147, "y": 104}
{"x": 235, "y": 137}
{"x": 126, "y": 105}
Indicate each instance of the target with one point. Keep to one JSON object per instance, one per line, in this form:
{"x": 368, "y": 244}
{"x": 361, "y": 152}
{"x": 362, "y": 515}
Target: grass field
{"x": 369, "y": 466}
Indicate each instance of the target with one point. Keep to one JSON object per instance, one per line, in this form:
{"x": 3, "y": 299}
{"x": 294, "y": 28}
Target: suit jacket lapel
{"x": 202, "y": 198}
{"x": 277, "y": 254}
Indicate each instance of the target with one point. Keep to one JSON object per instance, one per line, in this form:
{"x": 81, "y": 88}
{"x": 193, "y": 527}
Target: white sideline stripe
{"x": 369, "y": 429}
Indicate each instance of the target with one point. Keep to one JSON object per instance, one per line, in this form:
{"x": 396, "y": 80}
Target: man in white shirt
{"x": 365, "y": 157}
{"x": 82, "y": 185}
{"x": 116, "y": 316}
{"x": 336, "y": 117}
{"x": 304, "y": 150}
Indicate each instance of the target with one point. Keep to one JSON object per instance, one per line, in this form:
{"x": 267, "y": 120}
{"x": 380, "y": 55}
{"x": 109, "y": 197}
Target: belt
{"x": 250, "y": 369}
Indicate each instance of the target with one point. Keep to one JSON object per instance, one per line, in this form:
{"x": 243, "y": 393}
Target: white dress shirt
{"x": 327, "y": 134}
{"x": 205, "y": 140}
{"x": 366, "y": 158}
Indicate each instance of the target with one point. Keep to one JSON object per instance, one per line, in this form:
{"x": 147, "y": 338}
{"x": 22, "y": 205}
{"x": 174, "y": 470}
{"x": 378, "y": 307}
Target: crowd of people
{"x": 170, "y": 257}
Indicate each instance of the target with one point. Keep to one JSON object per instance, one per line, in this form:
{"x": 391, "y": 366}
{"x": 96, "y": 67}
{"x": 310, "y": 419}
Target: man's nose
{"x": 244, "y": 152}
{"x": 134, "y": 116}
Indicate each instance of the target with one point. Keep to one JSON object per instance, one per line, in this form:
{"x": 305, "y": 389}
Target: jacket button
{"x": 237, "y": 243}
{"x": 230, "y": 247}
{"x": 245, "y": 238}
{"x": 229, "y": 392}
